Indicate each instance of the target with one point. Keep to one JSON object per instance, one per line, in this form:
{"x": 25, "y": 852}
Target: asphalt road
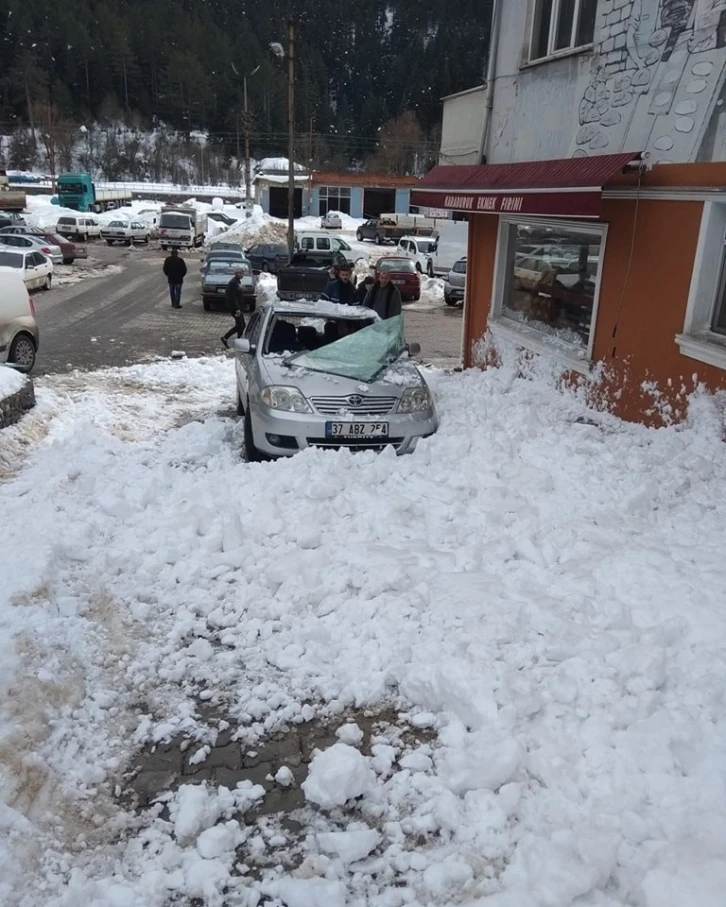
{"x": 114, "y": 310}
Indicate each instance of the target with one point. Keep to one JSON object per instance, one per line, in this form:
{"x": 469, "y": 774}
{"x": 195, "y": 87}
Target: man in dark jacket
{"x": 341, "y": 290}
{"x": 384, "y": 297}
{"x": 234, "y": 300}
{"x": 175, "y": 270}
{"x": 363, "y": 288}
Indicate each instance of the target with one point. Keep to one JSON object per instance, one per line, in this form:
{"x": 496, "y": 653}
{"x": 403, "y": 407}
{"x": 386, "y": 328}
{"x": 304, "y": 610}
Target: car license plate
{"x": 347, "y": 430}
{"x": 221, "y": 289}
{"x": 399, "y": 283}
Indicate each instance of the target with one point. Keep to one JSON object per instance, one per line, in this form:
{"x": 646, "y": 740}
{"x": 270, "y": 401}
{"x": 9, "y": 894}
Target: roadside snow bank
{"x": 540, "y": 585}
{"x": 11, "y": 381}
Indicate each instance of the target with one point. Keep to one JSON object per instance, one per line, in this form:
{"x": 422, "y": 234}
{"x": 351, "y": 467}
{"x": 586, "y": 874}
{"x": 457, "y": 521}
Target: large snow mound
{"x": 540, "y": 586}
{"x": 11, "y": 381}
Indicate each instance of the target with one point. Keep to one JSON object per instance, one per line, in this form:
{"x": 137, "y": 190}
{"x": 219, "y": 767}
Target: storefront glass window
{"x": 334, "y": 198}
{"x": 551, "y": 281}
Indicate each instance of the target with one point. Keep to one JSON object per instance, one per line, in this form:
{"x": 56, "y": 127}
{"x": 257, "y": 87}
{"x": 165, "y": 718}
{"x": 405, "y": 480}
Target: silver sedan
{"x": 318, "y": 374}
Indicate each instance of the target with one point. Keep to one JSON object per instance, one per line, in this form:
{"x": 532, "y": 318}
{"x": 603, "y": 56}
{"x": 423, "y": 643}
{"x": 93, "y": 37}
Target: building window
{"x": 547, "y": 282}
{"x": 334, "y": 198}
{"x": 561, "y": 25}
{"x": 704, "y": 329}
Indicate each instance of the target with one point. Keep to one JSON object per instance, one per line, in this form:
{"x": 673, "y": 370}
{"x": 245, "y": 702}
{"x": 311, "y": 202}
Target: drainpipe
{"x": 491, "y": 79}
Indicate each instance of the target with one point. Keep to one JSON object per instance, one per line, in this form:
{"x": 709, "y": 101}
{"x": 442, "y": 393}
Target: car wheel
{"x": 207, "y": 305}
{"x": 22, "y": 353}
{"x": 418, "y": 267}
{"x": 416, "y": 297}
{"x": 110, "y": 242}
{"x": 48, "y": 282}
{"x": 240, "y": 405}
{"x": 146, "y": 239}
{"x": 129, "y": 242}
{"x": 449, "y": 301}
{"x": 85, "y": 237}
{"x": 380, "y": 239}
{"x": 68, "y": 261}
{"x": 430, "y": 269}
{"x": 359, "y": 236}
{"x": 265, "y": 266}
{"x": 252, "y": 454}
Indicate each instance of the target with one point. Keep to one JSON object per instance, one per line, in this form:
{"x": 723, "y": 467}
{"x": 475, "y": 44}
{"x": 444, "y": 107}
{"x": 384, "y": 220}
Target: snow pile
{"x": 337, "y": 775}
{"x": 259, "y": 228}
{"x": 539, "y": 589}
{"x": 311, "y": 222}
{"x": 11, "y": 381}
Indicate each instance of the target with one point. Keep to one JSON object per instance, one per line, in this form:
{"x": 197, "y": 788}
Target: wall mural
{"x": 659, "y": 85}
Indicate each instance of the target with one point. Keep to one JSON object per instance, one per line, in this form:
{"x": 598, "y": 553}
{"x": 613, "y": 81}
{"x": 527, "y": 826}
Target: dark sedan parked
{"x": 268, "y": 256}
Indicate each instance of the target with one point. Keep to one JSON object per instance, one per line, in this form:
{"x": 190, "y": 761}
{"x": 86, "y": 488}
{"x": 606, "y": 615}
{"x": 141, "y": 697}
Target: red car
{"x": 403, "y": 275}
{"x": 70, "y": 251}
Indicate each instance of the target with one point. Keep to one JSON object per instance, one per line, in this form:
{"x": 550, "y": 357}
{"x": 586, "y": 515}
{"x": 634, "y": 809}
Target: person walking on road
{"x": 234, "y": 299}
{"x": 175, "y": 270}
{"x": 341, "y": 290}
{"x": 384, "y": 298}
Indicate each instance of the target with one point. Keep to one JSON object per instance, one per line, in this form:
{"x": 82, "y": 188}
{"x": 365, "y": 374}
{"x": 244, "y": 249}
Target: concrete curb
{"x": 13, "y": 408}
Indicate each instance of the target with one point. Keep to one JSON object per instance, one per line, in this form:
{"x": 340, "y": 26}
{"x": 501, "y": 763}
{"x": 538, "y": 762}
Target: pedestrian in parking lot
{"x": 341, "y": 289}
{"x": 175, "y": 270}
{"x": 363, "y": 288}
{"x": 234, "y": 299}
{"x": 384, "y": 298}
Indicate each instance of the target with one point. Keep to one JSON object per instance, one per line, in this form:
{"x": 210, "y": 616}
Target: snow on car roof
{"x": 322, "y": 307}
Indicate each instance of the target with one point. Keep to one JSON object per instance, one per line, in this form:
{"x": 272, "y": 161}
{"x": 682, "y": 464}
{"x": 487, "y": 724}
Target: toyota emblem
{"x": 355, "y": 400}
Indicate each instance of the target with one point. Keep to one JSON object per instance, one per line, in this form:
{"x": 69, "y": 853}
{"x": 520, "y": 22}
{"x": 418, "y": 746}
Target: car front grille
{"x": 354, "y": 443}
{"x": 368, "y": 406}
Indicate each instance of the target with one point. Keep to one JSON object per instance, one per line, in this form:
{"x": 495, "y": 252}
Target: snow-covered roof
{"x": 275, "y": 165}
{"x": 280, "y": 179}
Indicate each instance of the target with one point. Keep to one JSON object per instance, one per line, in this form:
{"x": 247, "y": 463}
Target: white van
{"x": 452, "y": 241}
{"x": 311, "y": 241}
{"x": 19, "y": 336}
{"x": 79, "y": 226}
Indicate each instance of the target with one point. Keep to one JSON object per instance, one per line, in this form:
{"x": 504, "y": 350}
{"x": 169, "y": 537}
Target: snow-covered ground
{"x": 540, "y": 585}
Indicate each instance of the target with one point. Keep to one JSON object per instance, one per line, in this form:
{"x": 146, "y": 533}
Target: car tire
{"x": 84, "y": 238}
{"x": 207, "y": 305}
{"x": 265, "y": 266}
{"x": 430, "y": 269}
{"x": 449, "y": 301}
{"x": 22, "y": 353}
{"x": 380, "y": 239}
{"x": 416, "y": 297}
{"x": 68, "y": 261}
{"x": 240, "y": 405}
{"x": 359, "y": 236}
{"x": 110, "y": 242}
{"x": 129, "y": 242}
{"x": 48, "y": 282}
{"x": 252, "y": 454}
{"x": 146, "y": 239}
{"x": 418, "y": 268}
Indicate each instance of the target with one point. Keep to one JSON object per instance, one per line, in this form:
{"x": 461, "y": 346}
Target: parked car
{"x": 21, "y": 229}
{"x": 68, "y": 250}
{"x": 455, "y": 283}
{"x": 368, "y": 397}
{"x": 31, "y": 243}
{"x": 217, "y": 274}
{"x": 221, "y": 218}
{"x": 313, "y": 243}
{"x": 10, "y": 218}
{"x": 19, "y": 335}
{"x": 214, "y": 248}
{"x": 403, "y": 275}
{"x": 124, "y": 231}
{"x": 226, "y": 257}
{"x": 35, "y": 269}
{"x": 420, "y": 250}
{"x": 394, "y": 226}
{"x": 79, "y": 226}
{"x": 268, "y": 256}
{"x": 331, "y": 221}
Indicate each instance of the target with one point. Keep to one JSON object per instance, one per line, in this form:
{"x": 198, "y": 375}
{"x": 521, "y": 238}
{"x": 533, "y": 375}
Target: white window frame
{"x": 572, "y": 47}
{"x": 521, "y": 334}
{"x": 698, "y": 341}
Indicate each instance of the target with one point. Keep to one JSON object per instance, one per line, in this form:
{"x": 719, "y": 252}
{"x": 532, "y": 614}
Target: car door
{"x": 245, "y": 362}
{"x": 33, "y": 277}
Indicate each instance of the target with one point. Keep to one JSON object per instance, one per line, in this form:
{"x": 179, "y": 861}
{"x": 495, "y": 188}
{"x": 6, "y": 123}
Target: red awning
{"x": 569, "y": 187}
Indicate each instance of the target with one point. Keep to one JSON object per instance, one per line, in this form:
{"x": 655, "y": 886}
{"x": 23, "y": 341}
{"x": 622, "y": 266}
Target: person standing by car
{"x": 234, "y": 299}
{"x": 341, "y": 290}
{"x": 384, "y": 298}
{"x": 364, "y": 288}
{"x": 175, "y": 270}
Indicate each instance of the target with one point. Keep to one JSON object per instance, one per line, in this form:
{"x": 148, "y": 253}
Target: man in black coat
{"x": 175, "y": 270}
{"x": 341, "y": 289}
{"x": 234, "y": 299}
{"x": 384, "y": 298}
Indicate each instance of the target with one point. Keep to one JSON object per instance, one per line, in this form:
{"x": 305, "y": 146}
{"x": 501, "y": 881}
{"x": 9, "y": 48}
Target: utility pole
{"x": 291, "y": 136}
{"x": 248, "y": 175}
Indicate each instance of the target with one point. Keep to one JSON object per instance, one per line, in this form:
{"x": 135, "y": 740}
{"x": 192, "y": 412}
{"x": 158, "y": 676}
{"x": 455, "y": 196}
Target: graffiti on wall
{"x": 659, "y": 81}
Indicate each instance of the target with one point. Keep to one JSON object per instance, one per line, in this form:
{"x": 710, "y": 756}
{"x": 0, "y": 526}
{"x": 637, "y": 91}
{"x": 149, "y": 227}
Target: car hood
{"x": 390, "y": 382}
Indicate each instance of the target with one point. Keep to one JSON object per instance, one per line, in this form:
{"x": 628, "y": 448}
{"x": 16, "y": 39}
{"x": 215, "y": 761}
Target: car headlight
{"x": 288, "y": 399}
{"x": 415, "y": 400}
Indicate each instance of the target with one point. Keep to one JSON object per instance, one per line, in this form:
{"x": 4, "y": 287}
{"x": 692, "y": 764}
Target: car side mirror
{"x": 414, "y": 349}
{"x": 240, "y": 345}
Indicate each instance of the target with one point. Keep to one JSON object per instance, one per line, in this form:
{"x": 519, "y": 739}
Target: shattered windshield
{"x": 361, "y": 355}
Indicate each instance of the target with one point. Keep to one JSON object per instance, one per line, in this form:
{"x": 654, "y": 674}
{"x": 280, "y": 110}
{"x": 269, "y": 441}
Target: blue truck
{"x": 78, "y": 192}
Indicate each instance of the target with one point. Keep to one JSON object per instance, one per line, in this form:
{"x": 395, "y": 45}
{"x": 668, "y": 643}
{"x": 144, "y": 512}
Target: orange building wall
{"x": 649, "y": 310}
